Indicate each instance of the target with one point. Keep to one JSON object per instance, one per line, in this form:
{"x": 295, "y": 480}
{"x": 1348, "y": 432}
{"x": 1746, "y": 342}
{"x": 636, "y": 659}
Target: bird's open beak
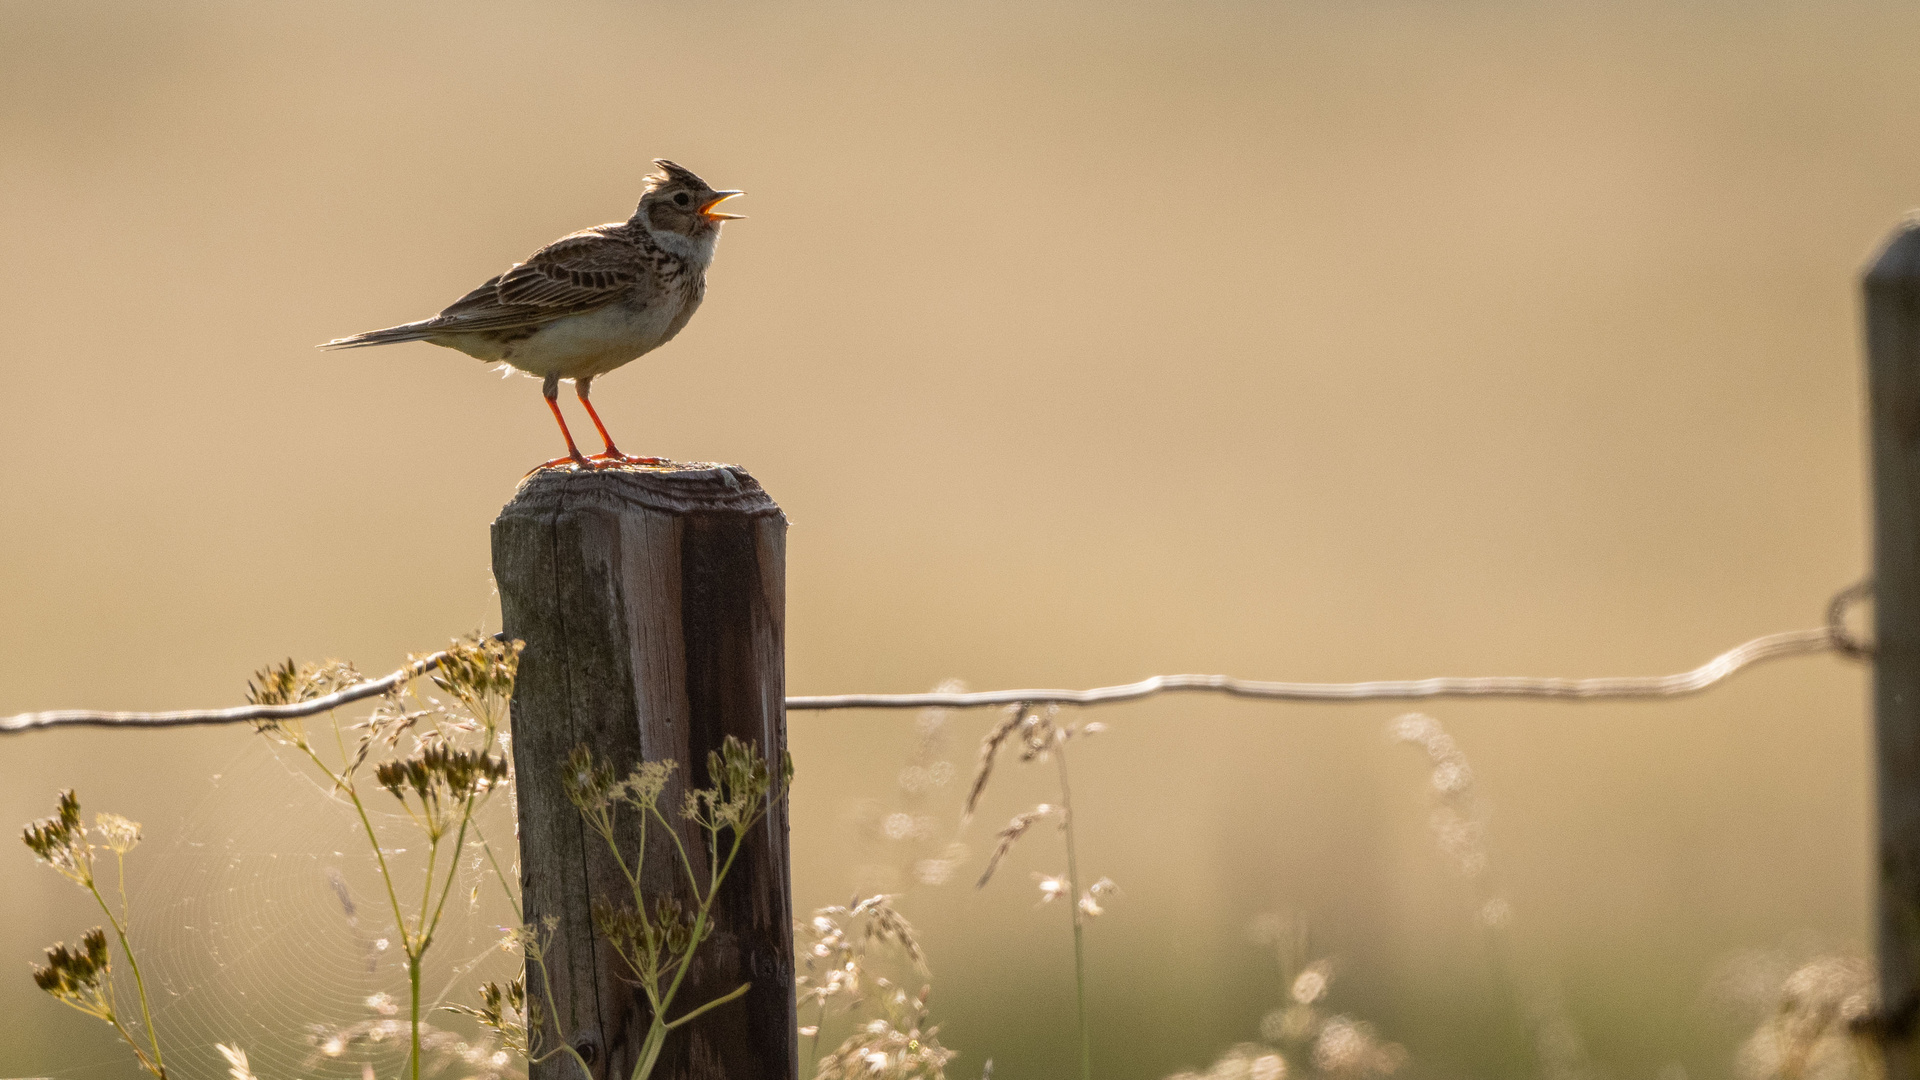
{"x": 707, "y": 211}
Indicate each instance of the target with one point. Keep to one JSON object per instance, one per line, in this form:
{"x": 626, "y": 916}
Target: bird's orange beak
{"x": 707, "y": 210}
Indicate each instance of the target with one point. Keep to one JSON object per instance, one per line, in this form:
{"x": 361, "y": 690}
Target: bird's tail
{"x": 413, "y": 331}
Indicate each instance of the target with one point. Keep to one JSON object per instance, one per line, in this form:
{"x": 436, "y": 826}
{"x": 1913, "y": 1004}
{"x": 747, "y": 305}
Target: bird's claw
{"x": 608, "y": 460}
{"x": 615, "y": 457}
{"x": 574, "y": 462}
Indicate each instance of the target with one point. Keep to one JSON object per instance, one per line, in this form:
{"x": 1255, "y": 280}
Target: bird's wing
{"x": 575, "y": 273}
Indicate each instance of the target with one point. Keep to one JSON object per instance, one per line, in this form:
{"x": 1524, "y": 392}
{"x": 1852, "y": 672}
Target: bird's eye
{"x": 680, "y": 199}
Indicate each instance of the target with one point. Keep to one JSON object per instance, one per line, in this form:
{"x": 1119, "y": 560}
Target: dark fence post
{"x": 1893, "y": 396}
{"x": 652, "y": 603}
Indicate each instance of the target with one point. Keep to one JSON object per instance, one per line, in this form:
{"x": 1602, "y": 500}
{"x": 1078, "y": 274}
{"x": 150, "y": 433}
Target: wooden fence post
{"x": 1893, "y": 394}
{"x": 652, "y": 603}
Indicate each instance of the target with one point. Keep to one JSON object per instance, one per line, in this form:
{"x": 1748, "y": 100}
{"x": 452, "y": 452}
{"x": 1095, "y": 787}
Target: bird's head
{"x": 677, "y": 203}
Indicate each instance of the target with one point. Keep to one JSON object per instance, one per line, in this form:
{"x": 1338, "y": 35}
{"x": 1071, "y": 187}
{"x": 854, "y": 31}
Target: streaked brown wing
{"x": 574, "y": 273}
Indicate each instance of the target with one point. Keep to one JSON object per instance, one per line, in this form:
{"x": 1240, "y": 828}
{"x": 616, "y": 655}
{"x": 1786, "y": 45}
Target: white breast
{"x": 594, "y": 342}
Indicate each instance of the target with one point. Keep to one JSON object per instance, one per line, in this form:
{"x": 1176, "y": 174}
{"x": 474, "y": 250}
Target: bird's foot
{"x": 573, "y": 462}
{"x": 615, "y": 457}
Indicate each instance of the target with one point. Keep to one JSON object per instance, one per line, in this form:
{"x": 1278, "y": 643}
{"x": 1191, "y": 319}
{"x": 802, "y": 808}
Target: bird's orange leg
{"x": 612, "y": 453}
{"x": 551, "y": 391}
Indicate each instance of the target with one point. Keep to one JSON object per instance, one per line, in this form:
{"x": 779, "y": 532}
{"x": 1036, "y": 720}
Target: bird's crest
{"x": 671, "y": 172}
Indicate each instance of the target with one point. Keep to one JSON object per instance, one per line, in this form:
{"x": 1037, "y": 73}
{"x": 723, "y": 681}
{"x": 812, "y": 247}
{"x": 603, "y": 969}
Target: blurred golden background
{"x": 1080, "y": 341}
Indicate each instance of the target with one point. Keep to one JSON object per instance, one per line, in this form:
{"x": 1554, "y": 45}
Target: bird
{"x": 589, "y": 302}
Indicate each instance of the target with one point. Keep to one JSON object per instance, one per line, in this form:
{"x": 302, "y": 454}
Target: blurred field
{"x": 1080, "y": 341}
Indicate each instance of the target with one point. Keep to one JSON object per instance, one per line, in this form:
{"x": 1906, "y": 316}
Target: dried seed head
{"x": 1051, "y": 887}
{"x": 77, "y": 975}
{"x": 237, "y": 1067}
{"x": 1099, "y": 890}
{"x": 287, "y": 683}
{"x": 1311, "y": 984}
{"x": 1348, "y": 1047}
{"x": 60, "y": 841}
{"x": 440, "y": 775}
{"x": 1039, "y": 734}
{"x": 589, "y": 783}
{"x": 478, "y": 668}
{"x": 898, "y": 1046}
{"x": 643, "y": 785}
{"x": 119, "y": 834}
{"x": 1009, "y": 836}
{"x": 989, "y": 747}
{"x": 742, "y": 786}
{"x": 884, "y": 923}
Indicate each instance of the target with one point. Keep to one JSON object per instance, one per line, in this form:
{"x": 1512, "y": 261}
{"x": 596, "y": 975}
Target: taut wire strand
{"x": 1833, "y": 637}
{"x": 239, "y": 714}
{"x": 1771, "y": 647}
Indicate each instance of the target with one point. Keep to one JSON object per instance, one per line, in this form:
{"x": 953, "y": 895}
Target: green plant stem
{"x": 657, "y": 1030}
{"x": 715, "y": 1003}
{"x": 1079, "y": 947}
{"x": 633, "y": 880}
{"x": 416, "y": 945}
{"x": 417, "y": 949}
{"x": 656, "y": 1039}
{"x": 453, "y": 871}
{"x": 426, "y": 896}
{"x": 413, "y": 985}
{"x": 650, "y": 1050}
{"x": 159, "y": 1067}
{"x": 139, "y": 1054}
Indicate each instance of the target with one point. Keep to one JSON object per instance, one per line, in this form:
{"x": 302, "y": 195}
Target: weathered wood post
{"x": 1893, "y": 406}
{"x": 652, "y": 603}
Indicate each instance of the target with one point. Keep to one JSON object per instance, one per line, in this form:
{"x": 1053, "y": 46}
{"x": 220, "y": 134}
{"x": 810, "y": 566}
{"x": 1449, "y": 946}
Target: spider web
{"x": 261, "y": 921}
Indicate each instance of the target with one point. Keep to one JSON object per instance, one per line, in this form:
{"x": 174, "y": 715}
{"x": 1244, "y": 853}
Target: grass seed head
{"x": 989, "y": 748}
{"x": 1011, "y": 835}
{"x": 1040, "y": 733}
{"x": 237, "y": 1067}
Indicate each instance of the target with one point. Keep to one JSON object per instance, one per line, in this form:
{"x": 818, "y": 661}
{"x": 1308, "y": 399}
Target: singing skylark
{"x": 588, "y": 302}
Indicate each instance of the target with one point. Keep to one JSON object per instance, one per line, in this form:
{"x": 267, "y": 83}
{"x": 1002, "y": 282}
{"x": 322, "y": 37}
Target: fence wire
{"x": 1833, "y": 637}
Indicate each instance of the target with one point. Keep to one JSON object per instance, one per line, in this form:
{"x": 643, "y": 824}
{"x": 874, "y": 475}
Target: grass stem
{"x": 1079, "y": 946}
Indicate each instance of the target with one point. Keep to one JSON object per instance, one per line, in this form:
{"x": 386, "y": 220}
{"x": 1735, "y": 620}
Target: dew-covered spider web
{"x": 262, "y": 921}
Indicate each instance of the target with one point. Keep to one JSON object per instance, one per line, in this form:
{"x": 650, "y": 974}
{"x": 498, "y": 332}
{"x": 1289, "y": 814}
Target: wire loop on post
{"x": 1843, "y": 638}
